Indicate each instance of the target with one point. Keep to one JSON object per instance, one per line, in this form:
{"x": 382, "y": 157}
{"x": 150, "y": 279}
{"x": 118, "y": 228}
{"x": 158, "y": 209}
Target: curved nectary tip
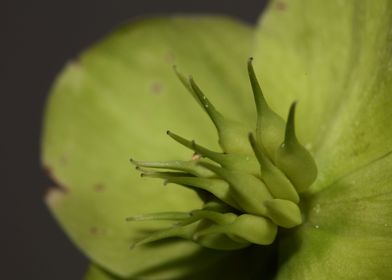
{"x": 180, "y": 139}
{"x": 184, "y": 80}
{"x": 269, "y": 126}
{"x": 249, "y": 189}
{"x": 294, "y": 159}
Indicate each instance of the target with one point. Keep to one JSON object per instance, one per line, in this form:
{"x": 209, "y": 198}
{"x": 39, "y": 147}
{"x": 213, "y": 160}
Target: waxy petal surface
{"x": 335, "y": 59}
{"x": 348, "y": 229}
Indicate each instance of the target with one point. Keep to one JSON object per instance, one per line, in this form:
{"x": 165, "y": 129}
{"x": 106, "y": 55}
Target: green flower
{"x": 332, "y": 57}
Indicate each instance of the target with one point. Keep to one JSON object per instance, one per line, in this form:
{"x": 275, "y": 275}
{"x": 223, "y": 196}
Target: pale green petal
{"x": 362, "y": 130}
{"x": 348, "y": 230}
{"x": 335, "y": 58}
{"x": 115, "y": 102}
{"x": 303, "y": 52}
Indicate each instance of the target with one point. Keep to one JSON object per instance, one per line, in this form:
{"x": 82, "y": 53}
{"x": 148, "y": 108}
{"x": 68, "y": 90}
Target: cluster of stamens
{"x": 249, "y": 189}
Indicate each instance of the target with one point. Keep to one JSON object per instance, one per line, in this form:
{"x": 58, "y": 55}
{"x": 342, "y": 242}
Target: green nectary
{"x": 249, "y": 189}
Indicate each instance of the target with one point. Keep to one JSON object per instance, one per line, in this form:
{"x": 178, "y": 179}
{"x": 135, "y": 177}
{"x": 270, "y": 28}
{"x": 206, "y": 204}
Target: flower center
{"x": 249, "y": 189}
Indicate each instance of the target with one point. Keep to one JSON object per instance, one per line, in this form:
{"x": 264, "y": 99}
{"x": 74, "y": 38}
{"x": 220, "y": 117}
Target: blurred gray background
{"x": 37, "y": 38}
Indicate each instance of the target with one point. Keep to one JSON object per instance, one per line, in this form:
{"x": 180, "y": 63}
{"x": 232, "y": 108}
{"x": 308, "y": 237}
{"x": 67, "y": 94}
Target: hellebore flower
{"x": 334, "y": 58}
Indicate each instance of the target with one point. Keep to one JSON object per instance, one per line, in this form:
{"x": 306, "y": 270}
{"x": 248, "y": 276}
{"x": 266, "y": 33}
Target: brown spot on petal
{"x": 99, "y": 188}
{"x": 156, "y": 87}
{"x": 170, "y": 57}
{"x": 63, "y": 160}
{"x": 49, "y": 172}
{"x": 281, "y": 6}
{"x": 97, "y": 231}
{"x": 93, "y": 230}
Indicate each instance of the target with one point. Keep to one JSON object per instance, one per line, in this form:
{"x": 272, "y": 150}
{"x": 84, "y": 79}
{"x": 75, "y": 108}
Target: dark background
{"x": 36, "y": 39}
